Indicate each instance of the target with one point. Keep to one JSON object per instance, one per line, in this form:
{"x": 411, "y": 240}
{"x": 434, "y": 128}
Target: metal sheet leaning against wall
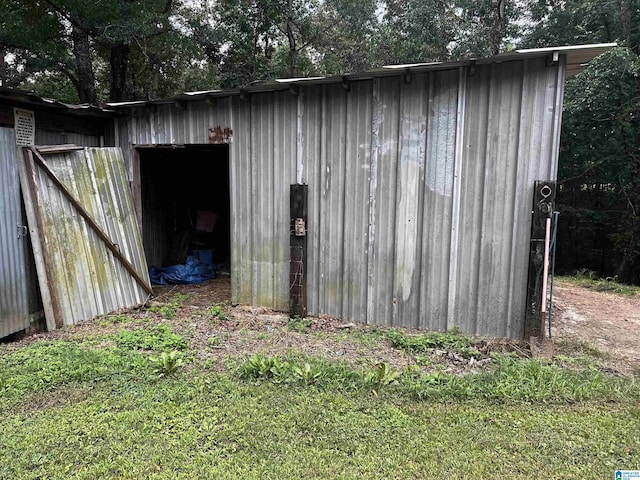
{"x": 79, "y": 276}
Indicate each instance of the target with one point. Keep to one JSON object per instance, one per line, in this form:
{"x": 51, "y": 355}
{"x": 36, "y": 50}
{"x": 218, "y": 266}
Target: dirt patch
{"x": 611, "y": 322}
{"x": 216, "y": 332}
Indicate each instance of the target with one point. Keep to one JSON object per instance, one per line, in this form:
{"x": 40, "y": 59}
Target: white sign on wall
{"x": 25, "y": 127}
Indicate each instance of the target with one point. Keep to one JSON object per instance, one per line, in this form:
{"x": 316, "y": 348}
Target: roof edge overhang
{"x": 28, "y": 99}
{"x": 577, "y": 58}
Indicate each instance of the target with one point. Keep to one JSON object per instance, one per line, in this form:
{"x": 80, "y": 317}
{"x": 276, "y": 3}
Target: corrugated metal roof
{"x": 27, "y": 98}
{"x": 576, "y": 58}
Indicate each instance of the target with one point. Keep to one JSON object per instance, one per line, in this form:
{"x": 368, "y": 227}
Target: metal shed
{"x": 55, "y": 262}
{"x": 420, "y": 184}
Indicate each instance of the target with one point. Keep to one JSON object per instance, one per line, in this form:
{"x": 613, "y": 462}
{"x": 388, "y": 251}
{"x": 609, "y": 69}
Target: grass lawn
{"x": 109, "y": 404}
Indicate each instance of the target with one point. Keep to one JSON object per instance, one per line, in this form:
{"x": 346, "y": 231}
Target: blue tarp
{"x": 193, "y": 271}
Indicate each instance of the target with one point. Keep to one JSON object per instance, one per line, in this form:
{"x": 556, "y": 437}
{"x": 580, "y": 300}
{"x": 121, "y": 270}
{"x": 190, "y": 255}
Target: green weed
{"x": 589, "y": 279}
{"x": 298, "y": 324}
{"x": 218, "y": 311}
{"x": 43, "y": 366}
{"x": 380, "y": 377}
{"x": 115, "y": 319}
{"x": 167, "y": 363}
{"x": 169, "y": 309}
{"x": 158, "y": 338}
{"x": 452, "y": 340}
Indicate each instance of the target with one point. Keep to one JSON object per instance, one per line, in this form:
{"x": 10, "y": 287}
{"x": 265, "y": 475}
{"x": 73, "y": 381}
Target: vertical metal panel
{"x": 409, "y": 200}
{"x": 437, "y": 216}
{"x": 284, "y": 173}
{"x": 386, "y": 120}
{"x": 332, "y": 198}
{"x": 311, "y": 111}
{"x": 78, "y": 273}
{"x": 419, "y": 190}
{"x": 357, "y": 163}
{"x": 14, "y": 314}
{"x": 241, "y": 192}
{"x": 510, "y": 117}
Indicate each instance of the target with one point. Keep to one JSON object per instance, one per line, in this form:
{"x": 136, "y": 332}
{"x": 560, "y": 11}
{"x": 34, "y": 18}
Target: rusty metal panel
{"x": 14, "y": 309}
{"x": 83, "y": 263}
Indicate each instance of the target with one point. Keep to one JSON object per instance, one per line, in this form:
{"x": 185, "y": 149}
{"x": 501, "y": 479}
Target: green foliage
{"x": 167, "y": 363}
{"x": 260, "y": 366}
{"x": 198, "y": 423}
{"x": 314, "y": 414}
{"x": 169, "y": 309}
{"x": 115, "y": 319}
{"x": 43, "y": 366}
{"x": 589, "y": 279}
{"x": 159, "y": 338}
{"x": 599, "y": 165}
{"x": 306, "y": 373}
{"x": 452, "y": 340}
{"x": 218, "y": 311}
{"x": 298, "y": 324}
{"x": 380, "y": 377}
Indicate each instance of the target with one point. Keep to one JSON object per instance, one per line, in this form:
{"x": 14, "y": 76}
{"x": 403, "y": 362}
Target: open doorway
{"x": 185, "y": 205}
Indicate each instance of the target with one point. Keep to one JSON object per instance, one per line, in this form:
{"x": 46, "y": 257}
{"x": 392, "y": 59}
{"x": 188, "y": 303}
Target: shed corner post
{"x": 298, "y": 251}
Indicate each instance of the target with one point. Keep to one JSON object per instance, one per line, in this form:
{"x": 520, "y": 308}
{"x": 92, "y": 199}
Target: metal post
{"x": 298, "y": 251}
{"x": 543, "y": 202}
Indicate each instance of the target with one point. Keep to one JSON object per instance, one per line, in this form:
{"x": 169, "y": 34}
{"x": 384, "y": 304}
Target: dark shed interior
{"x": 186, "y": 204}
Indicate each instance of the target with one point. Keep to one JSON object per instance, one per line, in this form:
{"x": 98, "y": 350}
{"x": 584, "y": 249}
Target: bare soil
{"x": 610, "y": 322}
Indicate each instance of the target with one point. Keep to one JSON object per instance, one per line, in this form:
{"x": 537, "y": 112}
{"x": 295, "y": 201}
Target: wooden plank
{"x": 50, "y": 301}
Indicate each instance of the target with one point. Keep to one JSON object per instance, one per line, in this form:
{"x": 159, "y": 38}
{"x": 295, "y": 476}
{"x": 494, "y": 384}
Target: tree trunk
{"x": 293, "y": 51}
{"x": 3, "y": 67}
{"x": 84, "y": 66}
{"x": 119, "y": 61}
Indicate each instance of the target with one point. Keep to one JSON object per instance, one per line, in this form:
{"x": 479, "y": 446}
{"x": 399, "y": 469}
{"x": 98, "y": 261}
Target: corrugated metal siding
{"x": 14, "y": 312}
{"x": 46, "y": 137}
{"x": 420, "y": 190}
{"x": 82, "y": 277}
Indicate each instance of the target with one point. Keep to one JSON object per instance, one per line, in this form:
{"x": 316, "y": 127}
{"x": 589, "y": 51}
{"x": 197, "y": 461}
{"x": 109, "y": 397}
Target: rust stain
{"x": 218, "y": 134}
